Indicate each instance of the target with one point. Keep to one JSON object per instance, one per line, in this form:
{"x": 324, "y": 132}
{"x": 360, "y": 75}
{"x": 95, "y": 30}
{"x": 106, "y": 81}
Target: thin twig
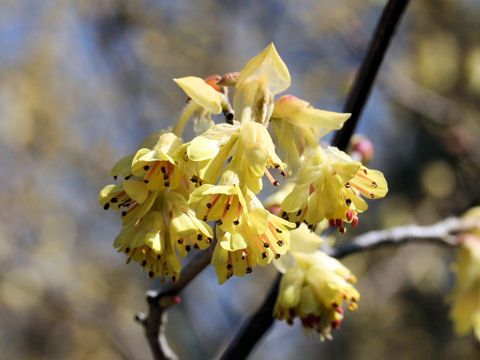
{"x": 256, "y": 326}
{"x": 158, "y": 301}
{"x": 362, "y": 85}
{"x": 443, "y": 233}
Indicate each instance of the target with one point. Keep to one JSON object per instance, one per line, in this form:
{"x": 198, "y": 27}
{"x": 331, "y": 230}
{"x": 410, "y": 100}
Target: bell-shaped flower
{"x": 132, "y": 198}
{"x": 264, "y": 76}
{"x": 228, "y": 263}
{"x": 255, "y": 153}
{"x": 314, "y": 289}
{"x": 148, "y": 243}
{"x": 241, "y": 218}
{"x": 211, "y": 150}
{"x": 185, "y": 229}
{"x": 157, "y": 166}
{"x": 328, "y": 186}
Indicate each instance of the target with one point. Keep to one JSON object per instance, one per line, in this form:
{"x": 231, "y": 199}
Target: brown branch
{"x": 158, "y": 301}
{"x": 362, "y": 85}
{"x": 254, "y": 328}
{"x": 443, "y": 233}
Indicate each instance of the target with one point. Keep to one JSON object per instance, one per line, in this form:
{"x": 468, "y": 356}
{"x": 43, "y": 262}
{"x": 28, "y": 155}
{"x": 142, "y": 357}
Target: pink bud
{"x": 362, "y": 148}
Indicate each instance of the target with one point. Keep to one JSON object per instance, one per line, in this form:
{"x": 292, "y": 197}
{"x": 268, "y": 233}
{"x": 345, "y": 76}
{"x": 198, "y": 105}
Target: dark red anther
{"x": 355, "y": 221}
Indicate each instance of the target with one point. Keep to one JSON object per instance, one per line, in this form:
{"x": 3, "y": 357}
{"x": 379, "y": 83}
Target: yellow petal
{"x": 288, "y": 105}
{"x": 123, "y": 167}
{"x": 269, "y": 68}
{"x": 202, "y": 93}
{"x": 320, "y": 118}
{"x": 137, "y": 190}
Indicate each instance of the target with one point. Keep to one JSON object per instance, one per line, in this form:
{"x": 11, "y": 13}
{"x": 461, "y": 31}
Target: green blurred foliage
{"x": 81, "y": 83}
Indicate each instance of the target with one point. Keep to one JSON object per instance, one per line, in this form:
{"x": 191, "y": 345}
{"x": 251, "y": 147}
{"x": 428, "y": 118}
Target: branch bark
{"x": 363, "y": 82}
{"x": 155, "y": 321}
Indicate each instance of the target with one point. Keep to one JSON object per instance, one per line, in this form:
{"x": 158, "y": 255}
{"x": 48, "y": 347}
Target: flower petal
{"x": 202, "y": 93}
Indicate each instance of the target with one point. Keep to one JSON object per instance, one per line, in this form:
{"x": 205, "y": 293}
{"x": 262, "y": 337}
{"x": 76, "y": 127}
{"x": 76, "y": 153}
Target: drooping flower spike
{"x": 314, "y": 286}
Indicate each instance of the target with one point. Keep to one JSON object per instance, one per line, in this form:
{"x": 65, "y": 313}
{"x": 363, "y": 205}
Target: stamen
{"x": 355, "y": 221}
{"x": 213, "y": 201}
{"x": 152, "y": 170}
{"x": 363, "y": 191}
{"x": 227, "y": 207}
{"x": 271, "y": 178}
{"x": 269, "y": 245}
{"x": 237, "y": 221}
{"x": 131, "y": 255}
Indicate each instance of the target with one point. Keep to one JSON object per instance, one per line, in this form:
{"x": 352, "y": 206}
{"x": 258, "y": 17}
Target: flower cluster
{"x": 175, "y": 196}
{"x": 314, "y": 287}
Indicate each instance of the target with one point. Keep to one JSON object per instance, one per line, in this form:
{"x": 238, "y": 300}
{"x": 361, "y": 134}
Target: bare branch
{"x": 443, "y": 233}
{"x": 159, "y": 300}
{"x": 362, "y": 85}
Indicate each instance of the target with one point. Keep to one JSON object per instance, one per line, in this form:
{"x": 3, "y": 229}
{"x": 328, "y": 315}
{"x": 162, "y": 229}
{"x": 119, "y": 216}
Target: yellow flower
{"x": 252, "y": 148}
{"x": 157, "y": 166}
{"x": 148, "y": 243}
{"x": 211, "y": 150}
{"x": 329, "y": 185}
{"x": 314, "y": 290}
{"x": 298, "y": 125}
{"x": 465, "y": 298}
{"x": 185, "y": 229}
{"x": 228, "y": 263}
{"x": 255, "y": 154}
{"x": 242, "y": 222}
{"x": 132, "y": 198}
{"x": 264, "y": 76}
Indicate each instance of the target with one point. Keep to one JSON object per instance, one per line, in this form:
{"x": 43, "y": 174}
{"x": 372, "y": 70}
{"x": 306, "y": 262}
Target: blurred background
{"x": 83, "y": 82}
